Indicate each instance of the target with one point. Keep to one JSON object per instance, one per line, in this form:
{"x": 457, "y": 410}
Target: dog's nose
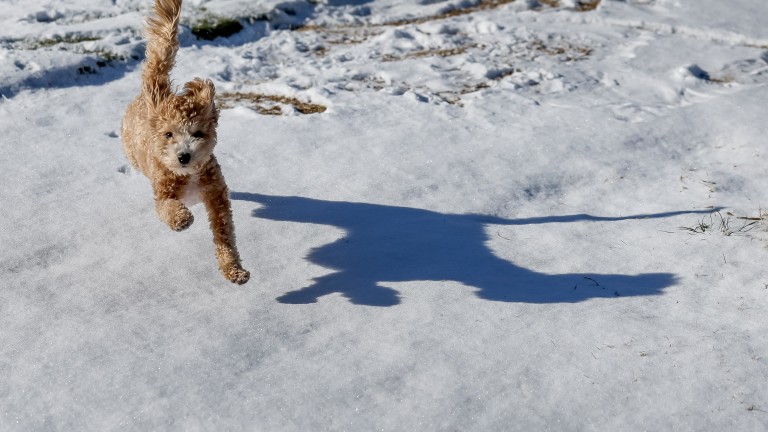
{"x": 184, "y": 158}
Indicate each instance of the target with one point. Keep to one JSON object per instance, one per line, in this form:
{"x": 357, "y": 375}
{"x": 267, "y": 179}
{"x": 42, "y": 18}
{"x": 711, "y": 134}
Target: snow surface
{"x": 511, "y": 216}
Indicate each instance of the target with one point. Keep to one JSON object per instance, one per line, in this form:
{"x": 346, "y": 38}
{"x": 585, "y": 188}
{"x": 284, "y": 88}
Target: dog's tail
{"x": 162, "y": 33}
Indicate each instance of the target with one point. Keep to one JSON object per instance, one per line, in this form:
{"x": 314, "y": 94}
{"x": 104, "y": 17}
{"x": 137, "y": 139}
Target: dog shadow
{"x": 397, "y": 244}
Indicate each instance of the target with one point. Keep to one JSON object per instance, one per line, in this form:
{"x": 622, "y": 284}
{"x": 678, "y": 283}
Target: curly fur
{"x": 170, "y": 138}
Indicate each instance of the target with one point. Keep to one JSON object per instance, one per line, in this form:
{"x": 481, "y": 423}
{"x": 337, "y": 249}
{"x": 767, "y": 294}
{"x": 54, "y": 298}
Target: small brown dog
{"x": 170, "y": 138}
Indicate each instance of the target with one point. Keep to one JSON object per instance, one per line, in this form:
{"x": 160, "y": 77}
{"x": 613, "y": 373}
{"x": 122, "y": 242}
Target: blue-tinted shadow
{"x": 90, "y": 72}
{"x": 396, "y": 244}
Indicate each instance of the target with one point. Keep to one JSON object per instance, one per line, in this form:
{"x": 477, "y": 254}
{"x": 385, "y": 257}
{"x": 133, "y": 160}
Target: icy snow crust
{"x": 493, "y": 216}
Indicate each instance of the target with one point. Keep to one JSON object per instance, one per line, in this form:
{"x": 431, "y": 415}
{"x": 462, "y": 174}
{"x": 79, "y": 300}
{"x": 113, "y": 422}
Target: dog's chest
{"x": 191, "y": 194}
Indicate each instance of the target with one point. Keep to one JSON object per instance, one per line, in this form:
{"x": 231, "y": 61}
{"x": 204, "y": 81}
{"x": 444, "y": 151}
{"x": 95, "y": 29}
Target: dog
{"x": 169, "y": 136}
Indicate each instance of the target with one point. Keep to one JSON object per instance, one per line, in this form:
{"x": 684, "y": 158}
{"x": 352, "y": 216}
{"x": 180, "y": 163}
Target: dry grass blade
{"x": 699, "y": 228}
{"x": 724, "y": 224}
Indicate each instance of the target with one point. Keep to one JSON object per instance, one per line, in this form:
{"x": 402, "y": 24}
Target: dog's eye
{"x": 198, "y": 134}
{"x": 169, "y": 135}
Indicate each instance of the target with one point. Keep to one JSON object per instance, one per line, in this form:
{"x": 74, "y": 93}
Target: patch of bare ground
{"x": 587, "y": 5}
{"x": 721, "y": 80}
{"x": 454, "y": 97}
{"x": 550, "y": 3}
{"x": 581, "y": 5}
{"x": 446, "y": 52}
{"x": 562, "y": 50}
{"x": 267, "y": 104}
{"x": 343, "y": 35}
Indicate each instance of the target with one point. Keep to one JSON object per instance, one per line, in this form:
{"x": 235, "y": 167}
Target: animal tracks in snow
{"x": 438, "y": 52}
{"x": 460, "y": 57}
{"x": 457, "y": 52}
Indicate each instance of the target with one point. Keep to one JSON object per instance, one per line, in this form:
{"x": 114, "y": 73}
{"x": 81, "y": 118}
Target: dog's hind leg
{"x": 216, "y": 199}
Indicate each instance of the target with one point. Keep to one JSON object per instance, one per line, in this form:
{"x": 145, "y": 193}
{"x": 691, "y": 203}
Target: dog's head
{"x": 183, "y": 127}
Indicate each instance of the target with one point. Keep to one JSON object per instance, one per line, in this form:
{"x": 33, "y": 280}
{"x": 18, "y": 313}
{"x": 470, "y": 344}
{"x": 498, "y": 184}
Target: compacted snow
{"x": 458, "y": 215}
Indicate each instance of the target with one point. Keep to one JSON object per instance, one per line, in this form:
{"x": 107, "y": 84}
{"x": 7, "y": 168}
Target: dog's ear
{"x": 202, "y": 91}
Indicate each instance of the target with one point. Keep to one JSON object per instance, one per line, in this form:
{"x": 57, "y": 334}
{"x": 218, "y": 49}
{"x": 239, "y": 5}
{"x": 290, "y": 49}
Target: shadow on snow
{"x": 395, "y": 244}
{"x": 87, "y": 73}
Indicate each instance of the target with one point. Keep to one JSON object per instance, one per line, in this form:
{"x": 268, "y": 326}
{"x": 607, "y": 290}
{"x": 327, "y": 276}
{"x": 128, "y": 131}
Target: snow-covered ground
{"x": 511, "y": 215}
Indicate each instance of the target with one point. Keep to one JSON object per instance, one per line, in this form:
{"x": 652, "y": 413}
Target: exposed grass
{"x": 267, "y": 104}
{"x": 727, "y": 225}
{"x": 482, "y": 5}
{"x": 581, "y": 5}
{"x": 342, "y": 36}
{"x": 75, "y": 44}
{"x": 454, "y": 97}
{"x": 454, "y": 12}
{"x": 758, "y": 46}
{"x": 358, "y": 33}
{"x": 550, "y": 3}
{"x": 211, "y": 27}
{"x": 450, "y": 13}
{"x": 587, "y": 5}
{"x": 446, "y": 52}
{"x": 562, "y": 50}
{"x": 700, "y": 228}
{"x": 49, "y": 42}
{"x": 565, "y": 50}
{"x": 722, "y": 80}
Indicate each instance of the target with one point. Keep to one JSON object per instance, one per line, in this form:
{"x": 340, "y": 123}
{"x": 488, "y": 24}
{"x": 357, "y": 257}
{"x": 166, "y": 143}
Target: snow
{"x": 515, "y": 217}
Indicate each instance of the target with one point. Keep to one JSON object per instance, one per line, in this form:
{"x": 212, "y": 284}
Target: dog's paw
{"x": 181, "y": 219}
{"x": 237, "y": 275}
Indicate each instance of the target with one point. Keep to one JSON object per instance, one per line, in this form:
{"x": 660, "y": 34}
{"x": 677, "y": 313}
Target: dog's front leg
{"x": 216, "y": 199}
{"x": 169, "y": 208}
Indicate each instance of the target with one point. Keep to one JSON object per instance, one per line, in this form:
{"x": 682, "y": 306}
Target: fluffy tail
{"x": 162, "y": 33}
